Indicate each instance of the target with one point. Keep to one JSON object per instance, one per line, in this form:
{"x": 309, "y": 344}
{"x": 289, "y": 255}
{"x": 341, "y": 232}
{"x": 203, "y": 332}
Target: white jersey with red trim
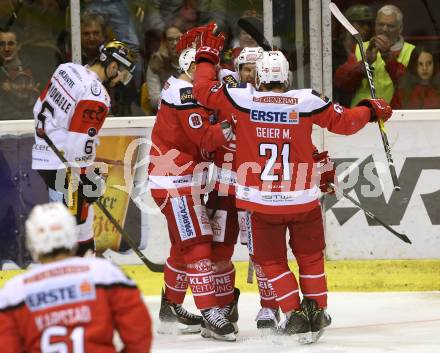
{"x": 274, "y": 146}
{"x": 182, "y": 138}
{"x": 74, "y": 105}
{"x": 73, "y": 305}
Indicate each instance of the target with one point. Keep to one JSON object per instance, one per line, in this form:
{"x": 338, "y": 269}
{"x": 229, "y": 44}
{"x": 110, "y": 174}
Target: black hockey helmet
{"x": 122, "y": 54}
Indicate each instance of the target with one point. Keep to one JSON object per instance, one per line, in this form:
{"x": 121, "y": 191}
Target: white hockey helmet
{"x": 186, "y": 58}
{"x": 272, "y": 66}
{"x": 248, "y": 55}
{"x": 50, "y": 226}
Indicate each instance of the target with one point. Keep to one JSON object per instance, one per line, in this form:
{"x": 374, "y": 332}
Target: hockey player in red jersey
{"x": 182, "y": 138}
{"x": 226, "y": 220}
{"x": 69, "y": 304}
{"x": 275, "y": 174}
{"x": 70, "y": 112}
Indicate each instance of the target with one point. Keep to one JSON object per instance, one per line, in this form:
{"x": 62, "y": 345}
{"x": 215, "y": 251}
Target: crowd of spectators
{"x": 32, "y": 46}
{"x": 405, "y": 75}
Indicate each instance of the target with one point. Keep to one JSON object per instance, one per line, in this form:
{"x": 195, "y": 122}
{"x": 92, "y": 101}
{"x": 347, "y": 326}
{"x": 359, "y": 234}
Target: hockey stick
{"x": 151, "y": 265}
{"x": 370, "y": 214}
{"x": 259, "y": 37}
{"x": 354, "y": 32}
{"x": 250, "y": 274}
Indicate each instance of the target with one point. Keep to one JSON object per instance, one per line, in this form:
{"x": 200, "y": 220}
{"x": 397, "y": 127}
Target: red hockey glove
{"x": 378, "y": 107}
{"x": 326, "y": 170}
{"x": 209, "y": 44}
{"x": 188, "y": 39}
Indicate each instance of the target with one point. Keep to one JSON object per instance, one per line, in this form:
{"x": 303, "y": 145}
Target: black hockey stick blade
{"x": 151, "y": 265}
{"x": 370, "y": 214}
{"x": 250, "y": 29}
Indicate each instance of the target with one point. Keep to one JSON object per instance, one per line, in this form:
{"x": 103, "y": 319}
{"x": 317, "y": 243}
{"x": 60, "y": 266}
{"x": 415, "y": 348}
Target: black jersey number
{"x": 271, "y": 151}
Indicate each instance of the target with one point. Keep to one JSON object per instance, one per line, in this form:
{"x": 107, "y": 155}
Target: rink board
{"x": 350, "y": 235}
{"x": 373, "y": 275}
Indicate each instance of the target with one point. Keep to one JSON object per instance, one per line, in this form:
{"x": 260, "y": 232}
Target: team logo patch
{"x": 203, "y": 265}
{"x": 195, "y": 121}
{"x": 91, "y": 132}
{"x": 229, "y": 79}
{"x": 96, "y": 88}
{"x": 186, "y": 95}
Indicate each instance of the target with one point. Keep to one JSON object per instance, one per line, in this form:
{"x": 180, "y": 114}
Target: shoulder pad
{"x": 321, "y": 96}
{"x": 237, "y": 85}
{"x": 186, "y": 95}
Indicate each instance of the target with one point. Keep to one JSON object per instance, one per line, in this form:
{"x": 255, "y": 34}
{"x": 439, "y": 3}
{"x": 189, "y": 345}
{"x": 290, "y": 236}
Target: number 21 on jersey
{"x": 272, "y": 152}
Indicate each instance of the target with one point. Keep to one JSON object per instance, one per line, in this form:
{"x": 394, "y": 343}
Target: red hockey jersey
{"x": 73, "y": 305}
{"x": 274, "y": 147}
{"x": 182, "y": 139}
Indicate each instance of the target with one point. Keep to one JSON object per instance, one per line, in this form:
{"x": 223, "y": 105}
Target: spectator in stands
{"x": 18, "y": 91}
{"x": 344, "y": 45}
{"x": 420, "y": 86}
{"x": 38, "y": 24}
{"x": 92, "y": 36}
{"x": 118, "y": 17}
{"x": 386, "y": 52}
{"x": 163, "y": 63}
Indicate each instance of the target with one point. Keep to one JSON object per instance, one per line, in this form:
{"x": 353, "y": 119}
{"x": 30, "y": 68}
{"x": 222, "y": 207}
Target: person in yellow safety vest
{"x": 386, "y": 52}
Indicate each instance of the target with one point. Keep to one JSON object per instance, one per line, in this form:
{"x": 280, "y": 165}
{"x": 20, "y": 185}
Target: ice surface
{"x": 403, "y": 322}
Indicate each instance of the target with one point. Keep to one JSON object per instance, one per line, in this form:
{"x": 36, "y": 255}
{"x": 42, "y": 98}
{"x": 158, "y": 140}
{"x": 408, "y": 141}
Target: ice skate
{"x": 217, "y": 326}
{"x": 268, "y": 318}
{"x": 230, "y": 311}
{"x": 318, "y": 317}
{"x": 174, "y": 318}
{"x": 297, "y": 323}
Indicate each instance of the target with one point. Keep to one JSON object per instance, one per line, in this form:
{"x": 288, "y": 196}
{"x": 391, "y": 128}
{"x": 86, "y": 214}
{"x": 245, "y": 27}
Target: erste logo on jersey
{"x": 279, "y": 117}
{"x": 60, "y": 293}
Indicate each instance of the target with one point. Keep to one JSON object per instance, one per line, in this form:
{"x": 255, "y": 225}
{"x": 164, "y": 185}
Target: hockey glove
{"x": 209, "y": 44}
{"x": 380, "y": 110}
{"x": 326, "y": 171}
{"x": 188, "y": 39}
{"x": 93, "y": 185}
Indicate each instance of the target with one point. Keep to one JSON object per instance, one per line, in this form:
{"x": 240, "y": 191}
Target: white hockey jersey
{"x": 74, "y": 105}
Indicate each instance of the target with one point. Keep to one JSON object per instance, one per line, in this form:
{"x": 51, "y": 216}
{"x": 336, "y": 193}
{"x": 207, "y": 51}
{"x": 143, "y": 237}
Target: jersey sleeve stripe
{"x": 180, "y": 107}
{"x": 12, "y": 307}
{"x": 116, "y": 284}
{"x": 315, "y": 111}
{"x": 238, "y": 107}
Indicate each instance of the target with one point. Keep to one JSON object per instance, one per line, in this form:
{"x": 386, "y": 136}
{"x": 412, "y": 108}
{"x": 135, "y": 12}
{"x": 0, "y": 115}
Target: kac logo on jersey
{"x": 268, "y": 117}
